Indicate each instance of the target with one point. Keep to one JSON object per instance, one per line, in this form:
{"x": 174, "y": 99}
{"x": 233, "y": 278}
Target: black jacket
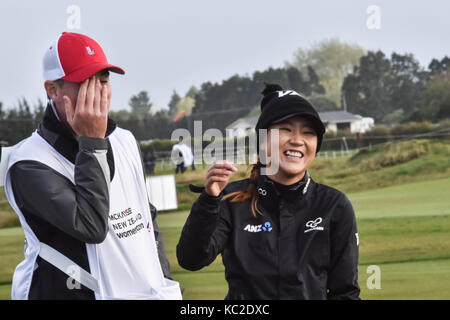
{"x": 304, "y": 246}
{"x": 67, "y": 216}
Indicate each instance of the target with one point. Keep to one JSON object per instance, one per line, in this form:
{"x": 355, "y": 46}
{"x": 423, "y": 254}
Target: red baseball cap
{"x": 75, "y": 57}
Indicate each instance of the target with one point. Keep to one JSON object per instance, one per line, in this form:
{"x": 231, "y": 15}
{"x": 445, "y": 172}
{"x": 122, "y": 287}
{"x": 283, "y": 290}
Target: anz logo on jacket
{"x": 266, "y": 227}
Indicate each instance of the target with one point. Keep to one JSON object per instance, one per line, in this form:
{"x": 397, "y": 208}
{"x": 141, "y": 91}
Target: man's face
{"x": 58, "y": 89}
{"x": 297, "y": 148}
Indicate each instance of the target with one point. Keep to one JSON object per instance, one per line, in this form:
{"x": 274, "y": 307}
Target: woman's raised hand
{"x": 217, "y": 177}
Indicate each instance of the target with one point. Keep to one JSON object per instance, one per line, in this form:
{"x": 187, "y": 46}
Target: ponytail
{"x": 250, "y": 192}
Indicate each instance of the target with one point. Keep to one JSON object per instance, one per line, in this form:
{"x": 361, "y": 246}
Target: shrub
{"x": 379, "y": 134}
{"x": 334, "y": 140}
{"x": 444, "y": 124}
{"x": 392, "y": 154}
{"x": 412, "y": 128}
{"x": 163, "y": 144}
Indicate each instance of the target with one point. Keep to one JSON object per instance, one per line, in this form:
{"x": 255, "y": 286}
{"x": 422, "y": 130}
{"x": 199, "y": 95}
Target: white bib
{"x": 126, "y": 263}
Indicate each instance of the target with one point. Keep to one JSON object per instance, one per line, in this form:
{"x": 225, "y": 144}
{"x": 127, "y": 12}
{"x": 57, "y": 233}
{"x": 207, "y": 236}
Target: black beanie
{"x": 278, "y": 104}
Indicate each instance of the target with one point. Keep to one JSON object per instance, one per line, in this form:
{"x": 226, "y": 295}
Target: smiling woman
{"x": 281, "y": 235}
{"x": 297, "y": 148}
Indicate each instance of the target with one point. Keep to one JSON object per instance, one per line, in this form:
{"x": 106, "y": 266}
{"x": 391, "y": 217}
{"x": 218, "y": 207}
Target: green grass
{"x": 419, "y": 280}
{"x": 406, "y": 239}
{"x": 411, "y": 246}
{"x": 387, "y": 165}
{"x": 422, "y": 280}
{"x": 413, "y": 199}
{"x": 11, "y": 253}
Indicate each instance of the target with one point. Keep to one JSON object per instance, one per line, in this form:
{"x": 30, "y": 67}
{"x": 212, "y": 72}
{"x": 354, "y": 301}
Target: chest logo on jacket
{"x": 267, "y": 227}
{"x": 262, "y": 192}
{"x": 313, "y": 225}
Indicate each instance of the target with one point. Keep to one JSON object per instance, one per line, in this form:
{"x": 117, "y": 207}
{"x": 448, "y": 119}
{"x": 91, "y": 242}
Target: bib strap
{"x": 69, "y": 267}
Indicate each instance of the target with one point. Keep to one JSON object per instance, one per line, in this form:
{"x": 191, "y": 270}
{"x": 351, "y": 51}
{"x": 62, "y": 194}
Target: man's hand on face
{"x": 89, "y": 117}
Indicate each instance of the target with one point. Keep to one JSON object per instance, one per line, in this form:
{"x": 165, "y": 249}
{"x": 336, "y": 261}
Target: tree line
{"x": 398, "y": 89}
{"x": 333, "y": 75}
{"x": 19, "y": 122}
{"x": 392, "y": 90}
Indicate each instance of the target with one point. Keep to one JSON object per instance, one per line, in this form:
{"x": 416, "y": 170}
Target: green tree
{"x": 444, "y": 111}
{"x": 174, "y": 99}
{"x": 140, "y": 105}
{"x": 440, "y": 69}
{"x": 18, "y": 123}
{"x": 2, "y": 113}
{"x": 322, "y": 103}
{"x": 386, "y": 89}
{"x": 221, "y": 104}
{"x": 39, "y": 110}
{"x": 192, "y": 92}
{"x": 24, "y": 110}
{"x": 409, "y": 80}
{"x": 313, "y": 84}
{"x": 367, "y": 89}
{"x": 296, "y": 81}
{"x": 396, "y": 116}
{"x": 271, "y": 75}
{"x": 332, "y": 60}
{"x": 436, "y": 100}
{"x": 120, "y": 115}
{"x": 186, "y": 104}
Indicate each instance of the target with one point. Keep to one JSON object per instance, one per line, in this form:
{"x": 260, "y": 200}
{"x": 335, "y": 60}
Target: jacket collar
{"x": 61, "y": 138}
{"x": 269, "y": 194}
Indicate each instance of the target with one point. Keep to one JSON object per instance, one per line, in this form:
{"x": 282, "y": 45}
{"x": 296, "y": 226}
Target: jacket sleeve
{"x": 205, "y": 232}
{"x": 80, "y": 209}
{"x": 343, "y": 272}
{"x": 160, "y": 244}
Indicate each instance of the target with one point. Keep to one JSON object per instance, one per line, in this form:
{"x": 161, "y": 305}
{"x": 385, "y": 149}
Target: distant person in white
{"x": 182, "y": 156}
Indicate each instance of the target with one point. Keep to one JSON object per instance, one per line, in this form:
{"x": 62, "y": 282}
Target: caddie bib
{"x": 126, "y": 264}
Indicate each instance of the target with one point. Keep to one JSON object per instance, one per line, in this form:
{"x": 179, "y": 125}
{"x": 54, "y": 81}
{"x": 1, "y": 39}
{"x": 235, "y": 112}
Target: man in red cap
{"x": 78, "y": 186}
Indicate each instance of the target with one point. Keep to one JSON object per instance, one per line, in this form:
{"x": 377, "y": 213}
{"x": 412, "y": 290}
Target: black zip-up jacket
{"x": 67, "y": 216}
{"x": 303, "y": 246}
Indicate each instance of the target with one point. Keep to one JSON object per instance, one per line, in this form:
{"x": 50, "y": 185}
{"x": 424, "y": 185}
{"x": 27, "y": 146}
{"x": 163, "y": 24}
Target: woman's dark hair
{"x": 250, "y": 192}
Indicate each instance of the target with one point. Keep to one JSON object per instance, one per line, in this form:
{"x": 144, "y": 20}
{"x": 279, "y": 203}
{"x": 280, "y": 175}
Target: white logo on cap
{"x": 90, "y": 51}
{"x": 287, "y": 92}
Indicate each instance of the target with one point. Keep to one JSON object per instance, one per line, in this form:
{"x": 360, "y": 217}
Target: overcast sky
{"x": 172, "y": 44}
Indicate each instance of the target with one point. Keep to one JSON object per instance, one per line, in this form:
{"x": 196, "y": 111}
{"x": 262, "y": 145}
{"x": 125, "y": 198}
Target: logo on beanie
{"x": 90, "y": 51}
{"x": 288, "y": 93}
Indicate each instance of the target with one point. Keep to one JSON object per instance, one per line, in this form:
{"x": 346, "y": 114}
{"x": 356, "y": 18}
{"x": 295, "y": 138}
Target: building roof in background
{"x": 338, "y": 116}
{"x": 250, "y": 121}
{"x": 326, "y": 117}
